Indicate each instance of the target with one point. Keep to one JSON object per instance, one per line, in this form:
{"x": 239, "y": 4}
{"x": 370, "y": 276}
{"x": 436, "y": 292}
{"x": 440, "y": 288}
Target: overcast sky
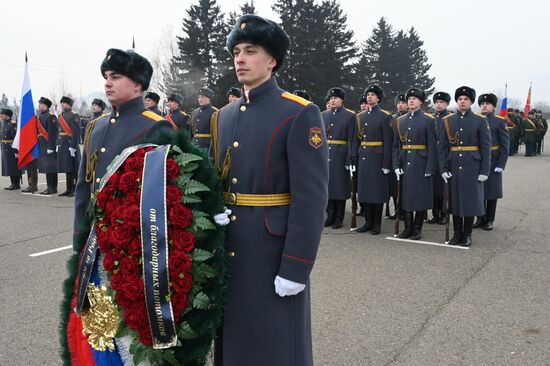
{"x": 482, "y": 44}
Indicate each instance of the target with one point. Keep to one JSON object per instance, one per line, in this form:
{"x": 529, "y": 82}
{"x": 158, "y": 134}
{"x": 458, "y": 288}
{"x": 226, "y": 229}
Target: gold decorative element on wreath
{"x": 100, "y": 321}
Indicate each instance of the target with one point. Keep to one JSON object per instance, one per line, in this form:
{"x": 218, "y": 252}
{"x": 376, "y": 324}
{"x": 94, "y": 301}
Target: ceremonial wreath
{"x": 147, "y": 286}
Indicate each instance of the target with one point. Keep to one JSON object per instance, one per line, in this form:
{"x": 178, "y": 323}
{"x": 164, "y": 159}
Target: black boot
{"x": 480, "y": 221}
{"x": 408, "y": 226}
{"x": 490, "y": 215}
{"x": 377, "y": 218}
{"x": 330, "y": 213}
{"x": 436, "y": 216}
{"x": 418, "y": 222}
{"x": 33, "y": 181}
{"x": 368, "y": 219}
{"x": 51, "y": 182}
{"x": 467, "y": 232}
{"x": 14, "y": 183}
{"x": 442, "y": 219}
{"x": 69, "y": 183}
{"x": 339, "y": 215}
{"x": 457, "y": 227}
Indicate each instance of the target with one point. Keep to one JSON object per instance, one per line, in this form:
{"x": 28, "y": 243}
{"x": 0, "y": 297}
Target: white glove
{"x": 56, "y": 148}
{"x": 482, "y": 178}
{"x": 398, "y": 172}
{"x": 446, "y": 176}
{"x": 352, "y": 168}
{"x": 222, "y": 219}
{"x": 284, "y": 287}
{"x": 427, "y": 175}
{"x": 498, "y": 170}
{"x": 16, "y": 155}
{"x": 385, "y": 171}
{"x": 48, "y": 151}
{"x": 72, "y": 151}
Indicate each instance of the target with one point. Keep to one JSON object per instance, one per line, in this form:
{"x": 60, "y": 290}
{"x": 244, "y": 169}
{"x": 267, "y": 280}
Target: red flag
{"x": 528, "y": 103}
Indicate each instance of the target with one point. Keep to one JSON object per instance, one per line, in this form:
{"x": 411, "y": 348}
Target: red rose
{"x": 104, "y": 239}
{"x": 179, "y": 262}
{"x": 138, "y": 307}
{"x": 109, "y": 262}
{"x": 114, "y": 180}
{"x": 181, "y": 216}
{"x": 134, "y": 248}
{"x": 112, "y": 205}
{"x": 121, "y": 236}
{"x": 172, "y": 169}
{"x": 173, "y": 195}
{"x": 117, "y": 280}
{"x": 117, "y": 214}
{"x": 183, "y": 283}
{"x": 128, "y": 182}
{"x": 139, "y": 155}
{"x": 133, "y": 288}
{"x": 183, "y": 240}
{"x": 131, "y": 216}
{"x": 145, "y": 337}
{"x": 102, "y": 199}
{"x": 133, "y": 164}
{"x": 132, "y": 198}
{"x": 128, "y": 266}
{"x": 122, "y": 300}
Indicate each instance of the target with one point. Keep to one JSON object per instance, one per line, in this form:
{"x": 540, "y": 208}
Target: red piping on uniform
{"x": 139, "y": 136}
{"x": 299, "y": 259}
{"x": 267, "y": 170}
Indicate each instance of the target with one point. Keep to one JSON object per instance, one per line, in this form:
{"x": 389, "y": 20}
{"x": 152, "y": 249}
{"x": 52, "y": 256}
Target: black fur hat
{"x": 415, "y": 92}
{"x": 206, "y": 92}
{"x": 488, "y": 98}
{"x": 362, "y": 99}
{"x": 446, "y": 97}
{"x": 336, "y": 92}
{"x": 400, "y": 98}
{"x": 45, "y": 101}
{"x": 262, "y": 32}
{"x": 234, "y": 91}
{"x": 130, "y": 64}
{"x": 376, "y": 90}
{"x": 302, "y": 94}
{"x": 100, "y": 103}
{"x": 175, "y": 98}
{"x": 153, "y": 96}
{"x": 67, "y": 100}
{"x": 7, "y": 112}
{"x": 467, "y": 92}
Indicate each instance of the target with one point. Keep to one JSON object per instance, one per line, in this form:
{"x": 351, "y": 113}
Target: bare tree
{"x": 163, "y": 53}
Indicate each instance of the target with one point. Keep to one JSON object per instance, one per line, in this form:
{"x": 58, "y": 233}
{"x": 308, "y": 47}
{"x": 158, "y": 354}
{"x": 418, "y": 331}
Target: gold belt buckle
{"x": 232, "y": 199}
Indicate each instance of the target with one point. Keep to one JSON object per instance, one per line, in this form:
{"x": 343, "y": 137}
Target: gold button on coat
{"x": 236, "y": 144}
{"x": 113, "y": 120}
{"x": 103, "y": 149}
{"x": 234, "y": 180}
{"x": 231, "y": 254}
{"x": 243, "y": 108}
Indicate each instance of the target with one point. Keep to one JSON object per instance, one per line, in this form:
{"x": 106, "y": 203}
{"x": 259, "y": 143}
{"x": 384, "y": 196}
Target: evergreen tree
{"x": 196, "y": 64}
{"x": 418, "y": 63}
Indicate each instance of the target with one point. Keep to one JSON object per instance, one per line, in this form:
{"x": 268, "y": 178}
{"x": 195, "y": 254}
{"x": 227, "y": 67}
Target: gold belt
{"x": 464, "y": 148}
{"x": 495, "y": 147}
{"x": 7, "y": 141}
{"x": 337, "y": 142}
{"x": 529, "y": 129}
{"x": 63, "y": 134}
{"x": 203, "y": 135}
{"x": 243, "y": 199}
{"x": 372, "y": 143}
{"x": 414, "y": 147}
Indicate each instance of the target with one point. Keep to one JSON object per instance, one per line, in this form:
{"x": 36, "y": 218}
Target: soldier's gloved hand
{"x": 16, "y": 155}
{"x": 48, "y": 151}
{"x": 482, "y": 178}
{"x": 498, "y": 170}
{"x": 284, "y": 287}
{"x": 426, "y": 175}
{"x": 72, "y": 151}
{"x": 398, "y": 172}
{"x": 222, "y": 219}
{"x": 446, "y": 176}
{"x": 56, "y": 148}
{"x": 385, "y": 171}
{"x": 352, "y": 168}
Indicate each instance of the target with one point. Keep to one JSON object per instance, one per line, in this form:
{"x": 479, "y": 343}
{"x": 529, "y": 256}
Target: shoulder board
{"x": 398, "y": 118}
{"x": 152, "y": 115}
{"x": 430, "y": 115}
{"x": 349, "y": 110}
{"x": 480, "y": 115}
{"x": 214, "y": 108}
{"x": 95, "y": 119}
{"x": 500, "y": 117}
{"x": 385, "y": 111}
{"x": 185, "y": 114}
{"x": 295, "y": 98}
{"x": 449, "y": 115}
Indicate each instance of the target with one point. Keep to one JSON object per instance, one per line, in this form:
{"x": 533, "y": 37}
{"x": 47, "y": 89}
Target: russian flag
{"x": 504, "y": 104}
{"x": 26, "y": 139}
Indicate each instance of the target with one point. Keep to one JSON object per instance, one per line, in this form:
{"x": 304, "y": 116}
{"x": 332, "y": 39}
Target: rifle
{"x": 397, "y": 208}
{"x": 446, "y": 207}
{"x": 353, "y": 225}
